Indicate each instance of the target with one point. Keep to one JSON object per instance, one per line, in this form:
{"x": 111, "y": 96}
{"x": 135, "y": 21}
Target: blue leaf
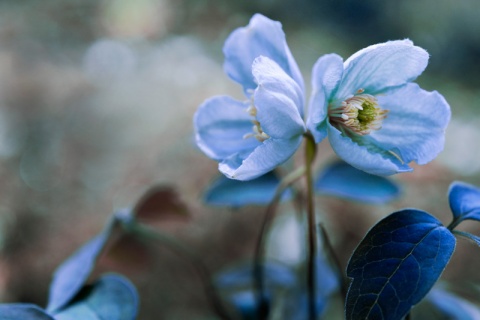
{"x": 295, "y": 305}
{"x": 464, "y": 201}
{"x": 275, "y": 274}
{"x": 238, "y": 286}
{"x": 234, "y": 193}
{"x": 342, "y": 180}
{"x": 452, "y": 306}
{"x": 17, "y": 311}
{"x": 396, "y": 264}
{"x": 112, "y": 297}
{"x": 71, "y": 275}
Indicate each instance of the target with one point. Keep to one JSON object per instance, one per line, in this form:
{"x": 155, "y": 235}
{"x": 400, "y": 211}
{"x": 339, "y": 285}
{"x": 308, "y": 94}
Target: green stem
{"x": 454, "y": 224}
{"x": 310, "y": 150}
{"x": 210, "y": 289}
{"x": 258, "y": 275}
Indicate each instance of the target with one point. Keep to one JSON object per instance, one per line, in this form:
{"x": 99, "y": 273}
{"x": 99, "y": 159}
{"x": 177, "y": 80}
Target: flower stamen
{"x": 359, "y": 113}
{"x": 258, "y": 132}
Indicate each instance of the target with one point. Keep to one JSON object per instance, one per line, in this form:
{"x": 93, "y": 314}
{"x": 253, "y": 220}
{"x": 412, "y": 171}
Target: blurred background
{"x": 96, "y": 106}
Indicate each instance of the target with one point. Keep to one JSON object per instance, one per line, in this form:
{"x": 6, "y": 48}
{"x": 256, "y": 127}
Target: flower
{"x": 375, "y": 118}
{"x": 250, "y": 138}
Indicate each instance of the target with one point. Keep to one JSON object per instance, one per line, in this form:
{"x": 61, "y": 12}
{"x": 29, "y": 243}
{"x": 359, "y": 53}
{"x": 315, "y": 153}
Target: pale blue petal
{"x": 382, "y": 66}
{"x": 326, "y": 75}
{"x": 365, "y": 155}
{"x": 278, "y": 100}
{"x": 264, "y": 37}
{"x": 263, "y": 159}
{"x": 415, "y": 124}
{"x": 220, "y": 125}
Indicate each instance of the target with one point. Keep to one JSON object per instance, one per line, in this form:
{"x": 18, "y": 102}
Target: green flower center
{"x": 359, "y": 114}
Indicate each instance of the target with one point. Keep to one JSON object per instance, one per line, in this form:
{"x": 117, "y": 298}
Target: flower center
{"x": 359, "y": 113}
{"x": 258, "y": 133}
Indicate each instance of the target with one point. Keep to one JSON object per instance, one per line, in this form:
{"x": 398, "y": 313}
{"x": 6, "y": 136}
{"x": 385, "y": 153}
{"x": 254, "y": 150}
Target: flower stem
{"x": 259, "y": 281}
{"x": 203, "y": 272}
{"x": 328, "y": 246}
{"x": 454, "y": 224}
{"x": 310, "y": 150}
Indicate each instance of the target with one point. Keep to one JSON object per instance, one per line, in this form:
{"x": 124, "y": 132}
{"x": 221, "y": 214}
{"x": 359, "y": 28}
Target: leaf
{"x": 235, "y": 193}
{"x": 112, "y": 297}
{"x": 71, "y": 275}
{"x": 452, "y": 306}
{"x": 344, "y": 181}
{"x": 275, "y": 274}
{"x": 160, "y": 202}
{"x": 295, "y": 301}
{"x": 237, "y": 286}
{"x": 16, "y": 311}
{"x": 464, "y": 201}
{"x": 396, "y": 264}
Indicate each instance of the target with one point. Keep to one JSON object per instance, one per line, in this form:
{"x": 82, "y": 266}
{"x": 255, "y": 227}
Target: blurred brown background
{"x": 96, "y": 106}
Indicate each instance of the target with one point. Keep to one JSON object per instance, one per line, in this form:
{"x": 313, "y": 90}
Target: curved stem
{"x": 329, "y": 247}
{"x": 192, "y": 257}
{"x": 310, "y": 150}
{"x": 258, "y": 275}
{"x": 454, "y": 224}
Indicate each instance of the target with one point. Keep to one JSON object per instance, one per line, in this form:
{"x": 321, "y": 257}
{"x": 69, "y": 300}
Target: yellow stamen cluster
{"x": 258, "y": 133}
{"x": 359, "y": 113}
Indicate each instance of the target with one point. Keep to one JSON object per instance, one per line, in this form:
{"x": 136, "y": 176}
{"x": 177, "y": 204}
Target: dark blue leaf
{"x": 112, "y": 297}
{"x": 342, "y": 180}
{"x": 464, "y": 201}
{"x": 18, "y": 311}
{"x": 234, "y": 193}
{"x": 396, "y": 264}
{"x": 71, "y": 275}
{"x": 452, "y": 306}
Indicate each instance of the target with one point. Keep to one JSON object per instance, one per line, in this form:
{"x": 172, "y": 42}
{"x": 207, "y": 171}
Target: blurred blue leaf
{"x": 396, "y": 264}
{"x": 18, "y": 311}
{"x": 464, "y": 201}
{"x": 235, "y": 193}
{"x": 452, "y": 306}
{"x": 342, "y": 180}
{"x": 112, "y": 297}
{"x": 295, "y": 304}
{"x": 245, "y": 302}
{"x": 71, "y": 275}
{"x": 237, "y": 285}
{"x": 275, "y": 274}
